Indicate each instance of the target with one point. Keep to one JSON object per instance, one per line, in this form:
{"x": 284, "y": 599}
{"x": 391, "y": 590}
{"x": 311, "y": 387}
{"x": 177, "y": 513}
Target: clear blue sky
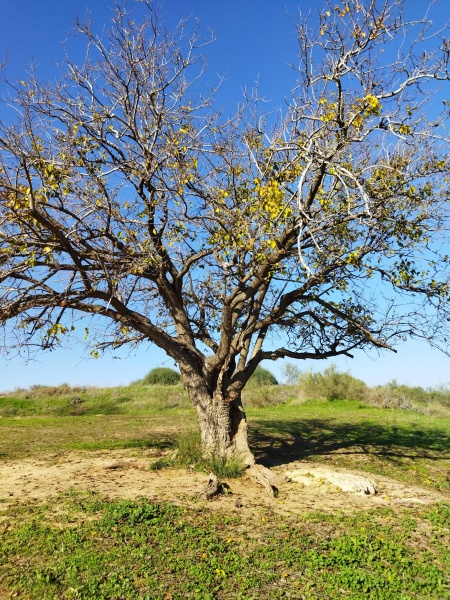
{"x": 255, "y": 41}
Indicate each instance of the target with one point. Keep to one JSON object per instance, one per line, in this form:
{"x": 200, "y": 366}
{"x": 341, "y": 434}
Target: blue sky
{"x": 254, "y": 41}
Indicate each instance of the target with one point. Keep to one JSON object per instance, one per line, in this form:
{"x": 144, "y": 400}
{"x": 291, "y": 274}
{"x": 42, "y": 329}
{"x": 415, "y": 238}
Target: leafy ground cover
{"x": 83, "y": 544}
{"x": 95, "y": 549}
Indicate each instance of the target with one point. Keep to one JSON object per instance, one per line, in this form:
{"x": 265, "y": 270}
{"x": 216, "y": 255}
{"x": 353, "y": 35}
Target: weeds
{"x": 144, "y": 550}
{"x": 164, "y": 462}
{"x": 187, "y": 453}
{"x": 225, "y": 468}
{"x": 189, "y": 448}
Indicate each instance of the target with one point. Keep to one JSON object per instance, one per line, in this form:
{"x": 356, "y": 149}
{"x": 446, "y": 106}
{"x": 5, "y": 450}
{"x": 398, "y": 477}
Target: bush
{"x": 161, "y": 376}
{"x": 267, "y": 395}
{"x": 262, "y": 377}
{"x": 332, "y": 385}
{"x": 394, "y": 395}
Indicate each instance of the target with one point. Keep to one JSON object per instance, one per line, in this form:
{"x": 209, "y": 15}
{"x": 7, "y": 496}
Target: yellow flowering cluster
{"x": 272, "y": 196}
{"x": 330, "y": 110}
{"x": 367, "y": 107}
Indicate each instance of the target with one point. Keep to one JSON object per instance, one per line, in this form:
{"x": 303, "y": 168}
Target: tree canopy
{"x": 127, "y": 195}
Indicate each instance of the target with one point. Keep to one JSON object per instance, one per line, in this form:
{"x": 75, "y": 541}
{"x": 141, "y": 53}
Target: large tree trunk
{"x": 222, "y": 420}
{"x": 223, "y": 427}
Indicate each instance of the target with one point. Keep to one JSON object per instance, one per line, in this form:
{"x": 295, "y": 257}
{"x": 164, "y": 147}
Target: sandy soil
{"x": 126, "y": 474}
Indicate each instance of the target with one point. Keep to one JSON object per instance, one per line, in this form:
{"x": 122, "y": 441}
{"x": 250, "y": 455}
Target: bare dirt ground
{"x": 126, "y": 474}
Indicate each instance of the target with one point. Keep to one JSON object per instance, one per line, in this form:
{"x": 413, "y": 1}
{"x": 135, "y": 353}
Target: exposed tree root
{"x": 262, "y": 475}
{"x": 267, "y": 478}
{"x": 213, "y": 487}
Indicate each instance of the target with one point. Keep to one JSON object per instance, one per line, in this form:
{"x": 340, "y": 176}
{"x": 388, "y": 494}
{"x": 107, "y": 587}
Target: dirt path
{"x": 126, "y": 474}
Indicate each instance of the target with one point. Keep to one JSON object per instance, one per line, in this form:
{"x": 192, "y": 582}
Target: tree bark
{"x": 222, "y": 420}
{"x": 224, "y": 430}
{"x": 223, "y": 427}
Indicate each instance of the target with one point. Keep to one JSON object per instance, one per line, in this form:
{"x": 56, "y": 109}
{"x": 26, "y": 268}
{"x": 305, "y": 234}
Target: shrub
{"x": 161, "y": 376}
{"x": 394, "y": 395}
{"x": 267, "y": 395}
{"x": 262, "y": 377}
{"x": 332, "y": 385}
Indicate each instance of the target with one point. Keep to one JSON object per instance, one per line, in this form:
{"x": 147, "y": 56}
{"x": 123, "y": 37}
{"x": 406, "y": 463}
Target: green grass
{"x": 409, "y": 446}
{"x": 64, "y": 400}
{"x": 83, "y": 546}
{"x": 32, "y": 436}
{"x": 95, "y": 549}
{"x": 406, "y": 444}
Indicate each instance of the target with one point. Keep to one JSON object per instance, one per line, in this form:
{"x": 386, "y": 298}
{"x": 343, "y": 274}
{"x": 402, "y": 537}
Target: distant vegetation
{"x": 161, "y": 376}
{"x": 332, "y": 384}
{"x": 64, "y": 400}
{"x": 262, "y": 377}
{"x": 262, "y": 390}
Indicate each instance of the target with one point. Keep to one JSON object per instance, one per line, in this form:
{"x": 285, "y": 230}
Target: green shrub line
{"x": 160, "y": 389}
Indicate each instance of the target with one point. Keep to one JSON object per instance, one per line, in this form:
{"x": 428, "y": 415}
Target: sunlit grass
{"x": 82, "y": 546}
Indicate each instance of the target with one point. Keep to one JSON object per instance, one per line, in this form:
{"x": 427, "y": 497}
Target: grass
{"x": 63, "y": 400}
{"x": 82, "y": 546}
{"x": 187, "y": 453}
{"x": 405, "y": 444}
{"x": 402, "y": 444}
{"x": 408, "y": 444}
{"x": 31, "y": 436}
{"x": 94, "y": 549}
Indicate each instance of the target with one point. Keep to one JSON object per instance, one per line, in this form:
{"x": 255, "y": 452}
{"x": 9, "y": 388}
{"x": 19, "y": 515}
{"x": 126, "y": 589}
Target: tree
{"x": 225, "y": 241}
{"x": 262, "y": 377}
{"x": 161, "y": 376}
{"x": 291, "y": 373}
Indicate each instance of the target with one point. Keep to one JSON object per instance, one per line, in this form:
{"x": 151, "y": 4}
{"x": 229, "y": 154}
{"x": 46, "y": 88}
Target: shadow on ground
{"x": 279, "y": 442}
